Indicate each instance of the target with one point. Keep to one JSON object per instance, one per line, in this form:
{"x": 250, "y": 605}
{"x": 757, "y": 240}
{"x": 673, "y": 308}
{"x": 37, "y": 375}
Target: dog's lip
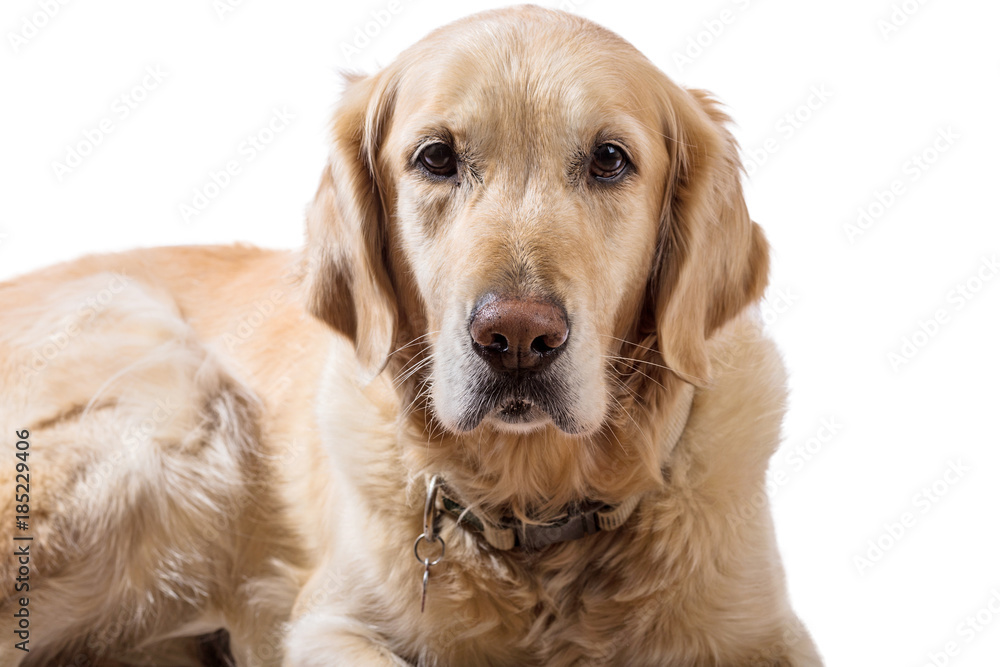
{"x": 523, "y": 417}
{"x": 524, "y": 412}
{"x": 518, "y": 410}
{"x": 520, "y": 404}
{"x": 518, "y": 415}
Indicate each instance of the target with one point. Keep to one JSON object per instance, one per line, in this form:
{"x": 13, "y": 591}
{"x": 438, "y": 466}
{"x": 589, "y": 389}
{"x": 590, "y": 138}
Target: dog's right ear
{"x": 347, "y": 281}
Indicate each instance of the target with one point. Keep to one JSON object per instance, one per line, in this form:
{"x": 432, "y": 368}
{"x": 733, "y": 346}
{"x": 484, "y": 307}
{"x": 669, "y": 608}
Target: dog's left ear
{"x": 714, "y": 259}
{"x": 347, "y": 279}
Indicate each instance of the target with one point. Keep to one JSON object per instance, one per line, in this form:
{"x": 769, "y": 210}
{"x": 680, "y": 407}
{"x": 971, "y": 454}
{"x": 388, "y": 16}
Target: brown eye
{"x": 607, "y": 162}
{"x": 439, "y": 159}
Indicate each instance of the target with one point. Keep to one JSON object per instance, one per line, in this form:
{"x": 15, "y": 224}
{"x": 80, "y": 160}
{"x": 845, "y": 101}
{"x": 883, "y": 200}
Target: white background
{"x": 841, "y": 303}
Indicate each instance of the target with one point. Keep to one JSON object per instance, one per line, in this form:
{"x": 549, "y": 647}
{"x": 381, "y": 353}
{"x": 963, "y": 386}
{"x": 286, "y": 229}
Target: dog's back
{"x": 142, "y": 391}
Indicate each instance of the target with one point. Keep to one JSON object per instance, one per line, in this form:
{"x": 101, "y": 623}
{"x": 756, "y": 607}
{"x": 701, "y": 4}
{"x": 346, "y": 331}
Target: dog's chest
{"x": 536, "y": 609}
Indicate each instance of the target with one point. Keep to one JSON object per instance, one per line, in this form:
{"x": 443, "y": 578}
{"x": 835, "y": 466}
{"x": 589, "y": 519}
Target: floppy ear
{"x": 714, "y": 259}
{"x": 347, "y": 282}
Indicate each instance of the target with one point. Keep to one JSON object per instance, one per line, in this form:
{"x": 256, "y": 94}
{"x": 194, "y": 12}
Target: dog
{"x": 510, "y": 405}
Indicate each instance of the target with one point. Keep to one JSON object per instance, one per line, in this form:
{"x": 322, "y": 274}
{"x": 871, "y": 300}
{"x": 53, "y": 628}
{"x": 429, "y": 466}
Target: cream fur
{"x": 206, "y": 452}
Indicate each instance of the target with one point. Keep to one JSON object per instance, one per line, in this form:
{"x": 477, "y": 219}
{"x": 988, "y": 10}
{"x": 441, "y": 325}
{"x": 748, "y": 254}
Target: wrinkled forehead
{"x": 508, "y": 83}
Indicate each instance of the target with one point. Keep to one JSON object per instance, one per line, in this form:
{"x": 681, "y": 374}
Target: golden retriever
{"x": 510, "y": 406}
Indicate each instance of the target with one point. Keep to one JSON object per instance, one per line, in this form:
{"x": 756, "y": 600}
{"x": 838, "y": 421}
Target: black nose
{"x": 519, "y": 333}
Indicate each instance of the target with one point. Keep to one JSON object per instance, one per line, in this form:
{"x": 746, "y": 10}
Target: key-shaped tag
{"x": 429, "y": 535}
{"x": 427, "y": 575}
{"x": 426, "y": 562}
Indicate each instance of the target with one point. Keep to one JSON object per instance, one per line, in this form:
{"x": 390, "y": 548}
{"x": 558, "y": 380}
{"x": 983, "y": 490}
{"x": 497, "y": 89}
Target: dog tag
{"x": 427, "y": 576}
{"x": 429, "y": 535}
{"x": 426, "y": 562}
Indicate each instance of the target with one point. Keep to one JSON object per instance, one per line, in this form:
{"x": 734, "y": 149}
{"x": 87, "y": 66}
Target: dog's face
{"x": 532, "y": 224}
{"x": 526, "y": 198}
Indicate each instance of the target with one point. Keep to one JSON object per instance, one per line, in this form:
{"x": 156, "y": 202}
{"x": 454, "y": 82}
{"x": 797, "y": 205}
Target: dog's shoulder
{"x": 736, "y": 420}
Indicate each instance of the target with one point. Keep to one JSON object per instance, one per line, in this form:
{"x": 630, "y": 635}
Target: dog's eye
{"x": 439, "y": 159}
{"x": 607, "y": 162}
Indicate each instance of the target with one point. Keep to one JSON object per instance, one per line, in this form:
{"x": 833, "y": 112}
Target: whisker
{"x": 413, "y": 342}
{"x": 618, "y": 440}
{"x": 633, "y": 393}
{"x": 406, "y": 373}
{"x": 633, "y": 343}
{"x": 638, "y": 361}
{"x": 634, "y": 422}
{"x": 424, "y": 392}
{"x": 682, "y": 375}
{"x": 645, "y": 375}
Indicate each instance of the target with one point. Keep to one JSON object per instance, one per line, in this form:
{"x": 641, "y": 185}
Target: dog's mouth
{"x": 519, "y": 412}
{"x": 516, "y": 410}
{"x": 519, "y": 406}
{"x": 518, "y": 415}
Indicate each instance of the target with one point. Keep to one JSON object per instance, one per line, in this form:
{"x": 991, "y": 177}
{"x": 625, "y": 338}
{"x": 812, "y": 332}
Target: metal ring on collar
{"x": 427, "y": 562}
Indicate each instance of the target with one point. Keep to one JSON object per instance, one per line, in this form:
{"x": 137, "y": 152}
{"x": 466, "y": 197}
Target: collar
{"x": 575, "y": 522}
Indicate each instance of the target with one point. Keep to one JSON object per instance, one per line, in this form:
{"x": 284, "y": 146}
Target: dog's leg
{"x": 264, "y": 649}
{"x": 324, "y": 633}
{"x": 324, "y": 640}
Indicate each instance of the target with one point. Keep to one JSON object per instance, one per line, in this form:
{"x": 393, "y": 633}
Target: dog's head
{"x": 536, "y": 229}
